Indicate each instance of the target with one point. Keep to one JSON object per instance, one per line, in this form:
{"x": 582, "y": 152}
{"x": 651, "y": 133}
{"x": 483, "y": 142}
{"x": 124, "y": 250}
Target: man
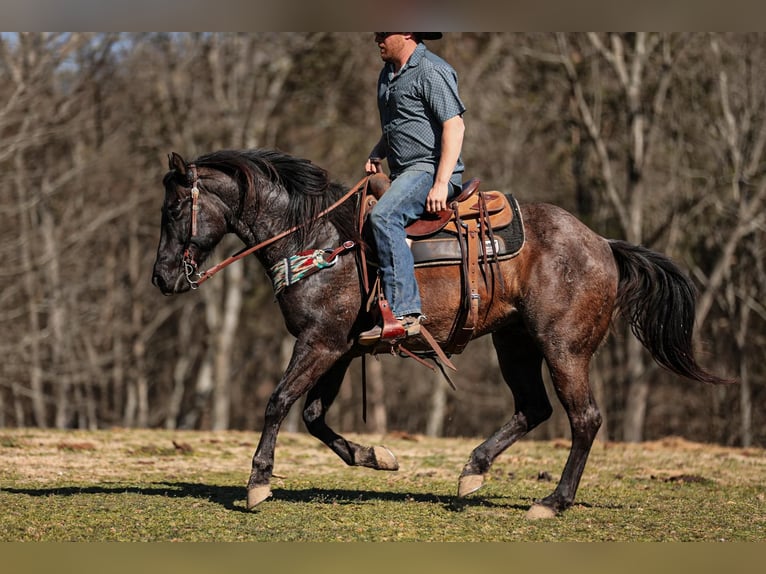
{"x": 421, "y": 117}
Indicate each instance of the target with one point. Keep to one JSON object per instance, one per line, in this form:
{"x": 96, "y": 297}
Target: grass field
{"x": 141, "y": 485}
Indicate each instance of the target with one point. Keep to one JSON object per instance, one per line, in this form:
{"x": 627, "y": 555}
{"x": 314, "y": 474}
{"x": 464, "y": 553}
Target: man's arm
{"x": 452, "y": 143}
{"x": 378, "y": 153}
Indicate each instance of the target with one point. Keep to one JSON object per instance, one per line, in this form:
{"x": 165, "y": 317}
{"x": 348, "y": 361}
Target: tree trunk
{"x": 18, "y": 406}
{"x": 745, "y": 390}
{"x": 182, "y": 368}
{"x": 58, "y": 320}
{"x": 31, "y": 295}
{"x": 139, "y": 377}
{"x": 437, "y": 413}
{"x": 377, "y": 419}
{"x": 224, "y": 343}
{"x": 638, "y": 392}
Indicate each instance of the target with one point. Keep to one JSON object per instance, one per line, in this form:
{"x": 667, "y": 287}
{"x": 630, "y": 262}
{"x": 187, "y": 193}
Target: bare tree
{"x": 655, "y": 138}
{"x": 740, "y": 100}
{"x": 642, "y": 65}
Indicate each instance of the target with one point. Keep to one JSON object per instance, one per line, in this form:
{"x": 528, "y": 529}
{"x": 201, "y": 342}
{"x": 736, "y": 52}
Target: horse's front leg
{"x": 310, "y": 360}
{"x": 319, "y": 399}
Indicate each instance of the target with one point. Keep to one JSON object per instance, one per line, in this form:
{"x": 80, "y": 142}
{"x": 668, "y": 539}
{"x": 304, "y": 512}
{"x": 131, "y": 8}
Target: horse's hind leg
{"x": 570, "y": 379}
{"x": 521, "y": 364}
{"x": 318, "y": 401}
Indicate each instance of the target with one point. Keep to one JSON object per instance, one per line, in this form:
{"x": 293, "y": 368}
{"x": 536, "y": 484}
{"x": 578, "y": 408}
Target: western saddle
{"x": 472, "y": 218}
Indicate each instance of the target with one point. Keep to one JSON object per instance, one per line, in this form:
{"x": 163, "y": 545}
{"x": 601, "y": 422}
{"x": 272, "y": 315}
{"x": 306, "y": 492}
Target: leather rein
{"x": 196, "y": 278}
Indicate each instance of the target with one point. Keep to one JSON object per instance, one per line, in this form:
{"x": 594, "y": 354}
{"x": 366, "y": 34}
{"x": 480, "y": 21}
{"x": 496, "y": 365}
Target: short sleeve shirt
{"x": 413, "y": 106}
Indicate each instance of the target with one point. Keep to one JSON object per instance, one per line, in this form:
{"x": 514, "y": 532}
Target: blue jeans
{"x": 400, "y": 205}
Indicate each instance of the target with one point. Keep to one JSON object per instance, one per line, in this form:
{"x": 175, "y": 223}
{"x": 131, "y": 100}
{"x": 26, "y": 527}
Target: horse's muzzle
{"x": 170, "y": 287}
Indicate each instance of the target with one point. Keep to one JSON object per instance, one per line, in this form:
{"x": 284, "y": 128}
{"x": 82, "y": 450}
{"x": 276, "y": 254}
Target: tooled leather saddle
{"x": 479, "y": 229}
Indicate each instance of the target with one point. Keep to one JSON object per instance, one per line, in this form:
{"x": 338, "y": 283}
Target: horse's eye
{"x": 174, "y": 209}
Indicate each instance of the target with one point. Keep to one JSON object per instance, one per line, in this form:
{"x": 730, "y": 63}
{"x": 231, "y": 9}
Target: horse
{"x": 558, "y": 298}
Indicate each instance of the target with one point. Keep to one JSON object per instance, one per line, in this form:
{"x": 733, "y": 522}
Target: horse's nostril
{"x": 157, "y": 281}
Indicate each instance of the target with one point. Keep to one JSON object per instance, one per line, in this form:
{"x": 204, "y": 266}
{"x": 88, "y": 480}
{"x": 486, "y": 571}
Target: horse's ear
{"x": 177, "y": 163}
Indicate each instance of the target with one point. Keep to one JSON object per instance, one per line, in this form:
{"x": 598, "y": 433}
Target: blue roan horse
{"x": 557, "y": 300}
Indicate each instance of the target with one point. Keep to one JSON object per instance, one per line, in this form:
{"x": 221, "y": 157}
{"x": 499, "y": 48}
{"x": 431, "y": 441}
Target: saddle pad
{"x": 443, "y": 249}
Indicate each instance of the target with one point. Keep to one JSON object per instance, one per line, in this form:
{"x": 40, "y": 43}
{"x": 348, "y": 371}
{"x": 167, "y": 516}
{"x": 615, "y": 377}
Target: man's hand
{"x": 373, "y": 166}
{"x": 437, "y": 198}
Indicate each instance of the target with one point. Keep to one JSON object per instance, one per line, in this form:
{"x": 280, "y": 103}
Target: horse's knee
{"x": 278, "y": 406}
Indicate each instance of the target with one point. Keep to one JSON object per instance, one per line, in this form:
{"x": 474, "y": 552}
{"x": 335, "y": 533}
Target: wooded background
{"x": 658, "y": 139}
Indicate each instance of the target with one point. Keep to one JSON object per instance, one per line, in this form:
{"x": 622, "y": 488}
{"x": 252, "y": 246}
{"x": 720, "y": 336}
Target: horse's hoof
{"x": 384, "y": 458}
{"x": 540, "y": 512}
{"x": 256, "y": 495}
{"x": 469, "y": 484}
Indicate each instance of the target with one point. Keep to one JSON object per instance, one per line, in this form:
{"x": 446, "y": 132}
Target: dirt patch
{"x": 689, "y": 479}
{"x": 76, "y": 446}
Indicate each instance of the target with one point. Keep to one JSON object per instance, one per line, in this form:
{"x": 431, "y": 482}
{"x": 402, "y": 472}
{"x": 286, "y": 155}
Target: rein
{"x": 190, "y": 266}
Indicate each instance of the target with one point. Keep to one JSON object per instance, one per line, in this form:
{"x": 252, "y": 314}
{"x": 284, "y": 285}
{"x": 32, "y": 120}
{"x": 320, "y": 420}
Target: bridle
{"x": 196, "y": 278}
{"x": 190, "y": 265}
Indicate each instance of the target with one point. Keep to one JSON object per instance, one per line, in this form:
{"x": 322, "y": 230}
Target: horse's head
{"x": 193, "y": 223}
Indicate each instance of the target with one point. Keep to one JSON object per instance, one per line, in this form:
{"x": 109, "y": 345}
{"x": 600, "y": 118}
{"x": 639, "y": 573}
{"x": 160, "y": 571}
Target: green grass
{"x": 124, "y": 485}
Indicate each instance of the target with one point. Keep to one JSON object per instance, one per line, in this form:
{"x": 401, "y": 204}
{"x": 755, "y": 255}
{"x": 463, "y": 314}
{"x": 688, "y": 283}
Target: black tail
{"x": 659, "y": 302}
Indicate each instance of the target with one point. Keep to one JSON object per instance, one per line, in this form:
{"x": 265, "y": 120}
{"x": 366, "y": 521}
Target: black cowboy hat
{"x": 429, "y": 35}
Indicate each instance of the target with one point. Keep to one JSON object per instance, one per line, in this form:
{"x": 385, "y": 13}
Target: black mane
{"x": 308, "y": 186}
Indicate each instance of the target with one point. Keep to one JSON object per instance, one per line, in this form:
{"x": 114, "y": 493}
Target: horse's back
{"x": 550, "y": 226}
{"x": 564, "y": 269}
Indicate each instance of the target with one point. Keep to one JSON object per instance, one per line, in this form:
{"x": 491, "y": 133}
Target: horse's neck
{"x": 323, "y": 236}
{"x": 271, "y": 222}
{"x": 243, "y": 231}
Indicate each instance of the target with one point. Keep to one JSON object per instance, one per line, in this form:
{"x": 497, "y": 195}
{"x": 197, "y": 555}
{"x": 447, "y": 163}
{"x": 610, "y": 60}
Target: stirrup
{"x": 410, "y": 327}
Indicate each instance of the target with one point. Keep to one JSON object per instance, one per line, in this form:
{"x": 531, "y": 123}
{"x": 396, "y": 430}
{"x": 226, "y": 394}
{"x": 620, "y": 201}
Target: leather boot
{"x": 411, "y": 324}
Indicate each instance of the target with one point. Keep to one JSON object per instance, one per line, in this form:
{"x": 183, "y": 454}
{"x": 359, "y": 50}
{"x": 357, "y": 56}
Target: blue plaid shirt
{"x": 413, "y": 106}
